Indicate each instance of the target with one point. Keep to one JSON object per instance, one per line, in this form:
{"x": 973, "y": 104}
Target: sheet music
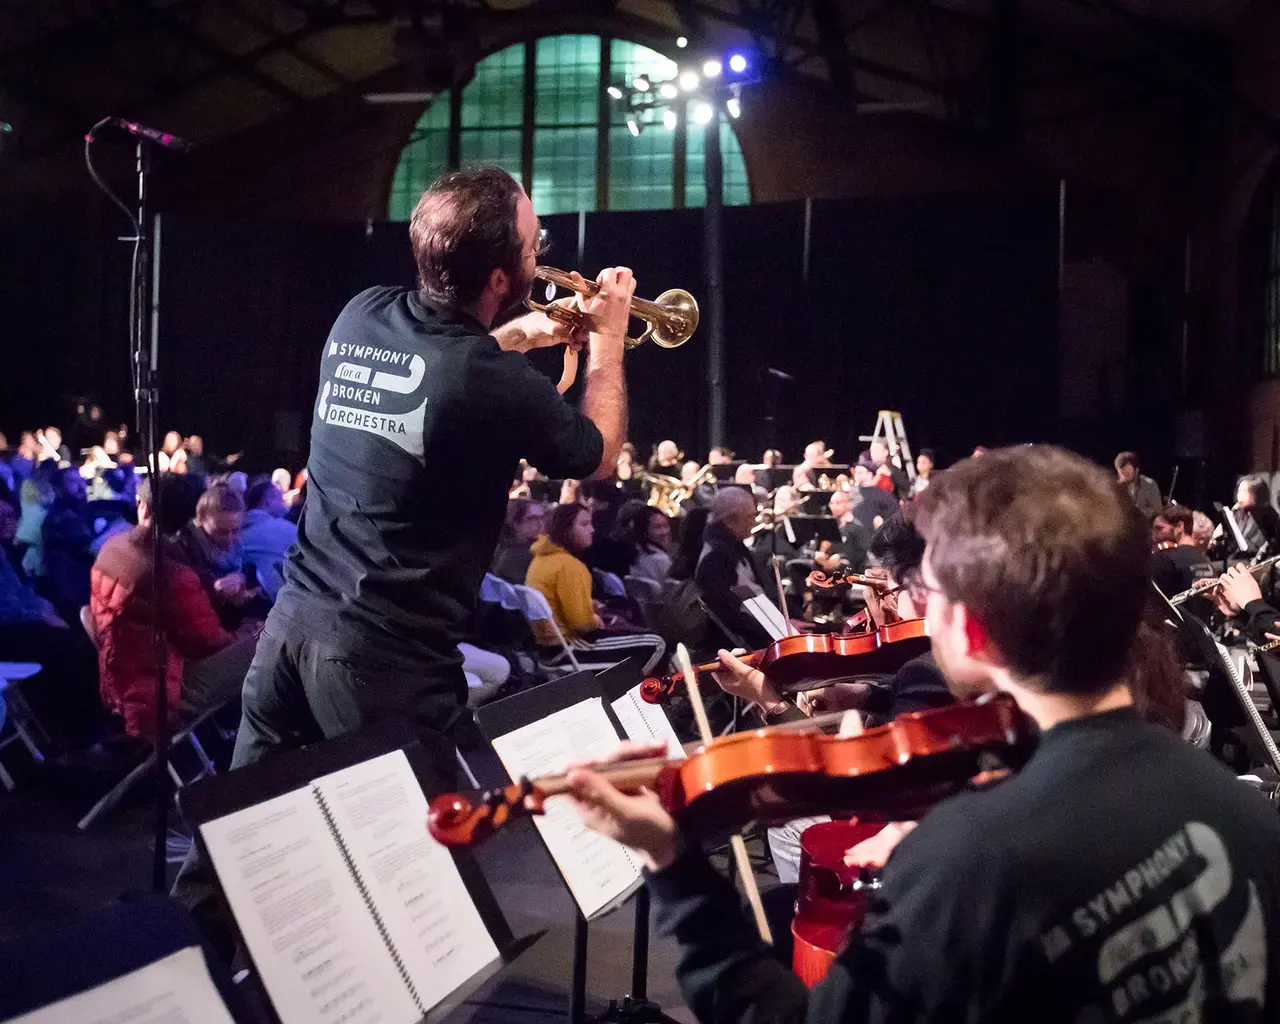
{"x": 381, "y": 813}
{"x": 312, "y": 938}
{"x": 175, "y": 990}
{"x": 598, "y": 871}
{"x": 767, "y": 614}
{"x": 645, "y": 722}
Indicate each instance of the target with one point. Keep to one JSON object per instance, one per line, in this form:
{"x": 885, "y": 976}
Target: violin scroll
{"x": 453, "y": 820}
{"x": 658, "y": 691}
{"x": 837, "y": 577}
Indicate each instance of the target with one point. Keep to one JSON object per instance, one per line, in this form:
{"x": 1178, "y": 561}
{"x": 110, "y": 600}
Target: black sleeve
{"x": 1261, "y": 620}
{"x": 725, "y": 972}
{"x": 555, "y": 436}
{"x": 854, "y": 546}
{"x": 716, "y": 575}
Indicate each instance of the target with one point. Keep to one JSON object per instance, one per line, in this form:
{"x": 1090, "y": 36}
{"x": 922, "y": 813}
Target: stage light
{"x": 640, "y": 83}
{"x": 668, "y": 90}
{"x": 688, "y": 80}
{"x": 737, "y": 63}
{"x": 701, "y": 112}
{"x": 681, "y": 42}
{"x": 712, "y": 69}
{"x": 670, "y": 120}
{"x": 615, "y": 92}
{"x": 734, "y": 106}
{"x": 633, "y": 126}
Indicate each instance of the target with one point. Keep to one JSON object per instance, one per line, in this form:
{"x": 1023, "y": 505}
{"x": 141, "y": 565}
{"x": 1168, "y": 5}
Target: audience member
{"x": 267, "y": 534}
{"x": 36, "y": 496}
{"x": 560, "y": 574}
{"x": 652, "y": 561}
{"x": 66, "y": 536}
{"x": 889, "y": 476}
{"x": 210, "y": 544}
{"x": 206, "y": 664}
{"x": 281, "y": 478}
{"x": 526, "y": 521}
{"x": 64, "y": 695}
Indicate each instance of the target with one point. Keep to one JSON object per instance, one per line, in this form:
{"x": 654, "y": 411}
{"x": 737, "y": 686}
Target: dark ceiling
{"x": 210, "y": 68}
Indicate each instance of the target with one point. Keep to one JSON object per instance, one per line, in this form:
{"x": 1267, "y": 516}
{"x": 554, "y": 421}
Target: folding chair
{"x": 26, "y": 728}
{"x": 182, "y": 737}
{"x": 532, "y": 604}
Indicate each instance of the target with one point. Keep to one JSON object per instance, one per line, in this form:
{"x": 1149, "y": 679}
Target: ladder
{"x": 889, "y": 429}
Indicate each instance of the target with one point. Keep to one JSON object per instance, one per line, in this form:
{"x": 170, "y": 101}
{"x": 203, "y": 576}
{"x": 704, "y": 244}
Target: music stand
{"x": 1227, "y": 701}
{"x": 217, "y": 796}
{"x": 520, "y": 709}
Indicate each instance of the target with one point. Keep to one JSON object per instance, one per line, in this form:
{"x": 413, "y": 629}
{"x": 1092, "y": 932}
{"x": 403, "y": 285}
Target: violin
{"x": 841, "y": 577}
{"x": 809, "y": 660}
{"x": 892, "y": 773}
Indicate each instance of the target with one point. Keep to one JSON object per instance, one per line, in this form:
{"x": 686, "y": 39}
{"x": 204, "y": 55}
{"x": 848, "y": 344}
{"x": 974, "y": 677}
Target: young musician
{"x": 1176, "y": 562}
{"x": 1122, "y": 875}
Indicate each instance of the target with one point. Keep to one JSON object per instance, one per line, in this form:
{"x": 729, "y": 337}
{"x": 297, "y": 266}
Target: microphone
{"x": 141, "y": 131}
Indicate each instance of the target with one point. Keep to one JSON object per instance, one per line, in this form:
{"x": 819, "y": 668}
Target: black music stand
{"x": 217, "y": 796}
{"x": 524, "y": 708}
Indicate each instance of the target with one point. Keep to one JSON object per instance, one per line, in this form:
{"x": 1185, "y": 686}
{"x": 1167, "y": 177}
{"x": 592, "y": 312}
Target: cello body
{"x": 831, "y": 896}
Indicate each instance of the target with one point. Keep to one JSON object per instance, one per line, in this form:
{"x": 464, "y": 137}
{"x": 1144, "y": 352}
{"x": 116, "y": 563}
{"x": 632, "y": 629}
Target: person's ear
{"x": 498, "y": 281}
{"x": 975, "y": 635}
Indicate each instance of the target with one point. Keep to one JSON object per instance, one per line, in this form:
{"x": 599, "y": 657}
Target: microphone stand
{"x": 143, "y": 345}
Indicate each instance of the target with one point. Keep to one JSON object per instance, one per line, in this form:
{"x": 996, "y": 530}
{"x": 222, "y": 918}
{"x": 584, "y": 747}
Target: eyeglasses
{"x": 916, "y": 587}
{"x": 541, "y": 245}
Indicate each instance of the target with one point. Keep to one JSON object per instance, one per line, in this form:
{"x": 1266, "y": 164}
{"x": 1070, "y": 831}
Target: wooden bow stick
{"x": 736, "y": 843}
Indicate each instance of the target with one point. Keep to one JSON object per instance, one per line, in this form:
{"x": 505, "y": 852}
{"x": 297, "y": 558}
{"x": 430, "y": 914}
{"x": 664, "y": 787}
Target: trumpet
{"x": 670, "y": 319}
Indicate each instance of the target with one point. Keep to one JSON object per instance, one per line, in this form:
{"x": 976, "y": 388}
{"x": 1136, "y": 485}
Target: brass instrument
{"x": 1205, "y": 586}
{"x": 671, "y": 318}
{"x": 668, "y": 493}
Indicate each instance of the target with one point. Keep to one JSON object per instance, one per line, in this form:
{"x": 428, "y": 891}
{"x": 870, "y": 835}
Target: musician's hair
{"x": 1259, "y": 488}
{"x": 1175, "y": 514}
{"x": 1048, "y": 556}
{"x": 560, "y": 529}
{"x": 464, "y": 228}
{"x": 897, "y": 545}
{"x": 1127, "y": 459}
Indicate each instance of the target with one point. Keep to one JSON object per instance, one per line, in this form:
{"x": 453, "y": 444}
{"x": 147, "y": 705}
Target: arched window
{"x": 538, "y": 110}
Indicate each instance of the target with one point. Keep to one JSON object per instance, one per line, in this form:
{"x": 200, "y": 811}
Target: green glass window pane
{"x": 499, "y": 146}
{"x": 564, "y": 170}
{"x": 425, "y": 155}
{"x": 567, "y": 81}
{"x": 495, "y": 97}
{"x": 640, "y": 169}
{"x": 736, "y": 190}
{"x": 628, "y": 60}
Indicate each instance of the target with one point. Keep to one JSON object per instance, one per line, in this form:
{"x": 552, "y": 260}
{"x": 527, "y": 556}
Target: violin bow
{"x": 782, "y": 599}
{"x": 736, "y": 842}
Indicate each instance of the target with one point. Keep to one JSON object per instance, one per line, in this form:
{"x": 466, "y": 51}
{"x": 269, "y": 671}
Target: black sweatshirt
{"x": 1121, "y": 876}
{"x": 419, "y": 424}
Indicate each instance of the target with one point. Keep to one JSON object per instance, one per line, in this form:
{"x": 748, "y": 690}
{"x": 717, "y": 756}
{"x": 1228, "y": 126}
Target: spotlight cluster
{"x": 698, "y": 87}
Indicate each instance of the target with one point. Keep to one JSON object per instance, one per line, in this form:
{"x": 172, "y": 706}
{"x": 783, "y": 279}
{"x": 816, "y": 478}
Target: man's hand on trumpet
{"x": 537, "y": 330}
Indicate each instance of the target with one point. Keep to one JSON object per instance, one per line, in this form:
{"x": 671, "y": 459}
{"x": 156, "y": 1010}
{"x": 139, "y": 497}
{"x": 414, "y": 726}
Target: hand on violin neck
{"x": 738, "y": 679}
{"x": 635, "y": 820}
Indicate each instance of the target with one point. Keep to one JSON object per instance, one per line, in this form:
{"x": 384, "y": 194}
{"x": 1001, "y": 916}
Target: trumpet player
{"x": 420, "y": 389}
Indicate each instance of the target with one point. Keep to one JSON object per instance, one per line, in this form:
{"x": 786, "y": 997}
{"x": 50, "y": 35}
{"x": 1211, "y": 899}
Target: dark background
{"x": 942, "y": 308}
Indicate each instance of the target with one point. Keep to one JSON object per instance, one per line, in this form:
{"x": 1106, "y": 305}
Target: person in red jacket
{"x": 206, "y": 664}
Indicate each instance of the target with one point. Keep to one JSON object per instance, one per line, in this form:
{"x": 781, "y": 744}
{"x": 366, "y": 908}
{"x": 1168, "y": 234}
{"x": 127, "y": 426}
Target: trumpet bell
{"x": 674, "y": 331}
